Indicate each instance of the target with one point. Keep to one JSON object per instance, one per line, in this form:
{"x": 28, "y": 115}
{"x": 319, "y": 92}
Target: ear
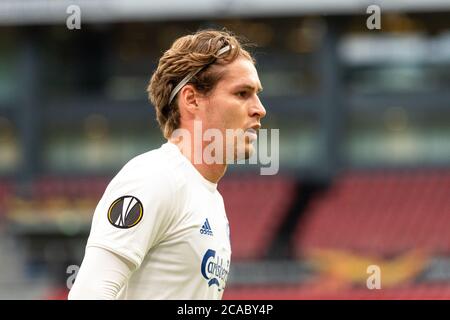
{"x": 188, "y": 98}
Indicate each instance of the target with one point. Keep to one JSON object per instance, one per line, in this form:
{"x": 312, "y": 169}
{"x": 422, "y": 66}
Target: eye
{"x": 242, "y": 94}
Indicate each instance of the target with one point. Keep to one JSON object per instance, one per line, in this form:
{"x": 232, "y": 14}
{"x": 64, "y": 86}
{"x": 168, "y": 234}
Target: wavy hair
{"x": 188, "y": 54}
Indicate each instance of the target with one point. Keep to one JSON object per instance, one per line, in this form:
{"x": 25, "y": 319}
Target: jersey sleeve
{"x": 102, "y": 275}
{"x": 134, "y": 213}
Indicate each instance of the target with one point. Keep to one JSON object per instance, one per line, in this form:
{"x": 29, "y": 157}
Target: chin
{"x": 249, "y": 150}
{"x": 245, "y": 153}
{"x": 241, "y": 152}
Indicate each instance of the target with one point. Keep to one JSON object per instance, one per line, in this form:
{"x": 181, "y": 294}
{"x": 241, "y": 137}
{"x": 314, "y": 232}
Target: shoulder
{"x": 153, "y": 173}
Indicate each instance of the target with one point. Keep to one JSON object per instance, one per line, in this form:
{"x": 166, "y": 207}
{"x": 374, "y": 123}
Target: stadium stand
{"x": 382, "y": 213}
{"x": 256, "y": 207}
{"x": 305, "y": 292}
{"x": 6, "y": 190}
{"x": 69, "y": 187}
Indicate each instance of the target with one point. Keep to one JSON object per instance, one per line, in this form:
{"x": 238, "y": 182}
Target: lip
{"x": 252, "y": 132}
{"x": 255, "y": 127}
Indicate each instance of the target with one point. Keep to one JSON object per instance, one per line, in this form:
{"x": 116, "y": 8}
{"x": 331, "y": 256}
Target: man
{"x": 160, "y": 230}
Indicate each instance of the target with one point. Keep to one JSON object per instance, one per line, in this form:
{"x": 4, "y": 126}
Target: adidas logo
{"x": 206, "y": 228}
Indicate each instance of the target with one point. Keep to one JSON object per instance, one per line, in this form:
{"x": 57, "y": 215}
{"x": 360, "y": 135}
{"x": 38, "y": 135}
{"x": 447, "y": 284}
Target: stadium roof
{"x": 23, "y": 12}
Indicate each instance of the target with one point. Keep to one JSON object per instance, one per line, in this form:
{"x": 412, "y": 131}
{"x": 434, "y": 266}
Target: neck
{"x": 211, "y": 172}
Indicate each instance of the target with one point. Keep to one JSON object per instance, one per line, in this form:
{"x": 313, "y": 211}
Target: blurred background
{"x": 364, "y": 119}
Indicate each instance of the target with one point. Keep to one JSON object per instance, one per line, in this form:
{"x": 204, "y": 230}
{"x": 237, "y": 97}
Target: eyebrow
{"x": 250, "y": 87}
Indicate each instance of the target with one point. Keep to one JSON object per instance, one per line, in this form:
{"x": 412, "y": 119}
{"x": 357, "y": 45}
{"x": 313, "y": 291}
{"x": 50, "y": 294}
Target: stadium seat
{"x": 6, "y": 190}
{"x": 383, "y": 213}
{"x": 422, "y": 291}
{"x": 68, "y": 187}
{"x": 256, "y": 206}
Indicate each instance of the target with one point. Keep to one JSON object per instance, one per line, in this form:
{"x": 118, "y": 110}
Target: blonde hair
{"x": 188, "y": 54}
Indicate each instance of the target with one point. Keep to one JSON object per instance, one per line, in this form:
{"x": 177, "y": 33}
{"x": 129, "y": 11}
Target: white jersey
{"x": 161, "y": 214}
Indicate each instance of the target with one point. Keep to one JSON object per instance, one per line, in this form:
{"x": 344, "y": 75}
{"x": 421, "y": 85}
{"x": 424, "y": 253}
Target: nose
{"x": 257, "y": 109}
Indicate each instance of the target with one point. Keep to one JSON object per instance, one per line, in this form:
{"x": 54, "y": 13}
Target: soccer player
{"x": 160, "y": 230}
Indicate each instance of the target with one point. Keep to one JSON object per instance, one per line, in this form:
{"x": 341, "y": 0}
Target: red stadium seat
{"x": 6, "y": 191}
{"x": 382, "y": 213}
{"x": 68, "y": 187}
{"x": 256, "y": 206}
{"x": 438, "y": 291}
